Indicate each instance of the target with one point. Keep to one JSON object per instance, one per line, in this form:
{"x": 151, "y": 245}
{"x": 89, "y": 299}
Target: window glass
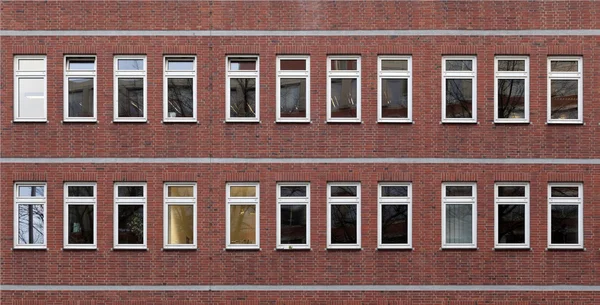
{"x": 459, "y": 98}
{"x": 511, "y": 98}
{"x": 130, "y": 224}
{"x": 293, "y": 191}
{"x": 511, "y": 65}
{"x": 292, "y": 64}
{"x": 343, "y": 224}
{"x": 343, "y": 191}
{"x": 31, "y": 97}
{"x": 82, "y": 64}
{"x": 31, "y": 65}
{"x": 511, "y": 191}
{"x": 242, "y": 93}
{"x": 181, "y": 221}
{"x": 292, "y": 95}
{"x": 242, "y": 65}
{"x": 80, "y": 191}
{"x": 343, "y": 97}
{"x": 130, "y": 64}
{"x": 81, "y": 222}
{"x": 564, "y": 99}
{"x": 293, "y": 223}
{"x": 394, "y": 223}
{"x": 180, "y": 65}
{"x": 131, "y": 97}
{"x": 31, "y": 224}
{"x": 394, "y": 65}
{"x": 511, "y": 223}
{"x": 181, "y": 191}
{"x": 242, "y": 224}
{"x": 131, "y": 191}
{"x": 242, "y": 191}
{"x": 394, "y": 98}
{"x": 565, "y": 191}
{"x": 459, "y": 223}
{"x": 394, "y": 191}
{"x": 31, "y": 191}
{"x": 344, "y": 64}
{"x": 81, "y": 97}
{"x": 564, "y": 224}
{"x": 459, "y": 65}
{"x": 564, "y": 66}
{"x": 459, "y": 190}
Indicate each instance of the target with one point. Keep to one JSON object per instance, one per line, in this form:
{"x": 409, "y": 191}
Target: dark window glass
{"x": 31, "y": 224}
{"x": 293, "y": 191}
{"x": 565, "y": 191}
{"x": 565, "y": 224}
{"x": 181, "y": 97}
{"x": 563, "y": 99}
{"x": 292, "y": 97}
{"x": 344, "y": 64}
{"x": 511, "y": 223}
{"x": 131, "y": 224}
{"x": 130, "y": 64}
{"x": 81, "y": 191}
{"x": 293, "y": 224}
{"x": 459, "y": 98}
{"x": 511, "y": 65}
{"x": 394, "y": 191}
{"x": 180, "y": 65}
{"x": 458, "y": 190}
{"x": 511, "y": 191}
{"x": 31, "y": 191}
{"x": 459, "y": 223}
{"x": 396, "y": 65}
{"x": 511, "y": 98}
{"x": 81, "y": 224}
{"x": 81, "y": 97}
{"x": 292, "y": 64}
{"x": 343, "y": 191}
{"x": 131, "y": 97}
{"x": 459, "y": 65}
{"x": 394, "y": 224}
{"x": 344, "y": 98}
{"x": 394, "y": 98}
{"x": 242, "y": 65}
{"x": 131, "y": 191}
{"x": 242, "y": 98}
{"x": 343, "y": 224}
{"x": 564, "y": 66}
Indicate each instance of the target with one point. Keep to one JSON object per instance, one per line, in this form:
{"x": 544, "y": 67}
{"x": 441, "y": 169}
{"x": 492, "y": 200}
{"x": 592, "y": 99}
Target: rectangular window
{"x": 80, "y": 215}
{"x": 130, "y": 89}
{"x": 395, "y": 216}
{"x": 242, "y": 89}
{"x": 459, "y": 215}
{"x": 80, "y": 89}
{"x": 293, "y": 89}
{"x": 30, "y": 99}
{"x": 565, "y": 215}
{"x": 293, "y": 215}
{"x": 30, "y": 215}
{"x": 511, "y": 98}
{"x": 180, "y": 101}
{"x": 242, "y": 216}
{"x": 343, "y": 215}
{"x": 180, "y": 215}
{"x": 394, "y": 98}
{"x": 511, "y": 215}
{"x": 343, "y": 89}
{"x": 459, "y": 89}
{"x": 565, "y": 90}
{"x": 130, "y": 216}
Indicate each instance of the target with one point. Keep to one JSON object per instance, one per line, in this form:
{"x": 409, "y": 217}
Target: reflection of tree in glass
{"x": 31, "y": 223}
{"x": 131, "y": 97}
{"x": 343, "y": 223}
{"x": 240, "y": 214}
{"x": 511, "y": 97}
{"x": 83, "y": 216}
{"x": 180, "y": 97}
{"x": 242, "y": 97}
{"x": 131, "y": 224}
{"x": 563, "y": 97}
{"x": 459, "y": 100}
{"x": 394, "y": 223}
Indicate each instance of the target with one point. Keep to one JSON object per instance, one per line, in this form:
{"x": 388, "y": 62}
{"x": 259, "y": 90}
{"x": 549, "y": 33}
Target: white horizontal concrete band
{"x": 299, "y": 288}
{"x": 582, "y": 32}
{"x": 303, "y": 160}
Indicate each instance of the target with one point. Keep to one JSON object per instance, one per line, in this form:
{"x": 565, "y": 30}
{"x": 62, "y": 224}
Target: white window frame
{"x": 344, "y": 74}
{"x": 130, "y": 74}
{"x": 292, "y": 74}
{"x": 524, "y": 75}
{"x": 29, "y": 75}
{"x": 81, "y": 74}
{"x": 576, "y": 201}
{"x": 180, "y": 74}
{"x": 578, "y": 76}
{"x": 344, "y": 201}
{"x": 30, "y": 201}
{"x": 242, "y": 74}
{"x": 381, "y": 201}
{"x": 168, "y": 201}
{"x": 293, "y": 201}
{"x": 524, "y": 201}
{"x": 466, "y": 200}
{"x": 143, "y": 201}
{"x": 242, "y": 201}
{"x": 394, "y": 74}
{"x": 459, "y": 75}
{"x": 80, "y": 201}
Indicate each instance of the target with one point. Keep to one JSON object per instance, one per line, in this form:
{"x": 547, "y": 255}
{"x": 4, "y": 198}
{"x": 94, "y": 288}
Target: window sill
{"x": 459, "y": 122}
{"x": 257, "y": 249}
{"x": 399, "y": 248}
{"x": 41, "y": 248}
{"x": 42, "y": 121}
{"x": 576, "y": 248}
{"x": 515, "y": 248}
{"x": 293, "y": 122}
{"x": 179, "y": 249}
{"x": 395, "y": 121}
{"x": 459, "y": 248}
{"x": 129, "y": 121}
{"x": 94, "y": 248}
{"x": 565, "y": 122}
{"x": 338, "y": 248}
{"x": 94, "y": 121}
{"x": 194, "y": 121}
{"x": 293, "y": 248}
{"x": 129, "y": 249}
{"x": 242, "y": 121}
{"x": 512, "y": 122}
{"x": 343, "y": 122}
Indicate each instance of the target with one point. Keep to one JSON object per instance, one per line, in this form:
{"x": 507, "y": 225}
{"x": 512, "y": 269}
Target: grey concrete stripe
{"x": 565, "y": 32}
{"x": 303, "y": 160}
{"x": 299, "y": 288}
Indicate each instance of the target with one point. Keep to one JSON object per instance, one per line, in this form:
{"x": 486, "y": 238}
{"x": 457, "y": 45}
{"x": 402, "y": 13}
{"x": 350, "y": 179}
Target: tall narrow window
{"x": 130, "y": 89}
{"x": 512, "y": 215}
{"x": 180, "y": 215}
{"x": 30, "y": 215}
{"x": 343, "y": 215}
{"x": 293, "y": 215}
{"x": 293, "y": 89}
{"x": 459, "y": 89}
{"x": 242, "y": 216}
{"x": 459, "y": 215}
{"x": 80, "y": 215}
{"x": 180, "y": 89}
{"x": 565, "y": 215}
{"x": 130, "y": 216}
{"x": 395, "y": 216}
{"x": 511, "y": 98}
{"x": 565, "y": 90}
{"x": 80, "y": 89}
{"x": 242, "y": 96}
{"x": 30, "y": 101}
{"x": 394, "y": 99}
{"x": 343, "y": 89}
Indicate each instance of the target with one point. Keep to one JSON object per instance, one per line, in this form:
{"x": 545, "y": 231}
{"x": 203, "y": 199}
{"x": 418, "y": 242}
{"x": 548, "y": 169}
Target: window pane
{"x": 466, "y": 190}
{"x": 459, "y": 98}
{"x": 31, "y": 65}
{"x": 292, "y": 97}
{"x": 181, "y": 191}
{"x": 293, "y": 191}
{"x": 511, "y": 191}
{"x": 343, "y": 64}
{"x": 343, "y": 191}
{"x": 511, "y": 65}
{"x": 563, "y": 99}
{"x": 511, "y": 98}
{"x": 343, "y": 224}
{"x": 180, "y": 65}
{"x": 242, "y": 97}
{"x": 398, "y": 65}
{"x": 131, "y": 224}
{"x": 131, "y": 191}
{"x": 459, "y": 223}
{"x": 394, "y": 224}
{"x": 511, "y": 224}
{"x": 31, "y": 191}
{"x": 81, "y": 97}
{"x": 31, "y": 98}
{"x": 394, "y": 98}
{"x": 131, "y": 97}
{"x": 242, "y": 65}
{"x": 292, "y": 64}
{"x": 564, "y": 66}
{"x": 343, "y": 97}
{"x": 181, "y": 224}
{"x": 394, "y": 191}
{"x": 31, "y": 224}
{"x": 459, "y": 65}
{"x": 82, "y": 64}
{"x": 130, "y": 64}
{"x": 81, "y": 224}
{"x": 565, "y": 226}
{"x": 81, "y": 191}
{"x": 242, "y": 226}
{"x": 565, "y": 191}
{"x": 293, "y": 224}
{"x": 181, "y": 97}
{"x": 242, "y": 191}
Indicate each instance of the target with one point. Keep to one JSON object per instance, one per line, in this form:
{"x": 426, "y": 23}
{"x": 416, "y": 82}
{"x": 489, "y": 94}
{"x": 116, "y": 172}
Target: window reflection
{"x": 181, "y": 224}
{"x": 394, "y": 224}
{"x": 81, "y": 97}
{"x": 292, "y": 96}
{"x": 344, "y": 97}
{"x": 31, "y": 223}
{"x": 242, "y": 223}
{"x": 343, "y": 224}
{"x": 131, "y": 224}
{"x": 180, "y": 97}
{"x": 81, "y": 224}
{"x": 565, "y": 224}
{"x": 131, "y": 97}
{"x": 394, "y": 98}
{"x": 459, "y": 98}
{"x": 293, "y": 224}
{"x": 511, "y": 223}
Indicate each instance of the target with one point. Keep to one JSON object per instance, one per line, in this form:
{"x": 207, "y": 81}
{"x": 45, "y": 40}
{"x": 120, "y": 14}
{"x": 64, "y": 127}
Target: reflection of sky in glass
{"x": 180, "y": 65}
{"x": 82, "y": 65}
{"x": 130, "y": 64}
{"x": 31, "y": 224}
{"x": 26, "y": 191}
